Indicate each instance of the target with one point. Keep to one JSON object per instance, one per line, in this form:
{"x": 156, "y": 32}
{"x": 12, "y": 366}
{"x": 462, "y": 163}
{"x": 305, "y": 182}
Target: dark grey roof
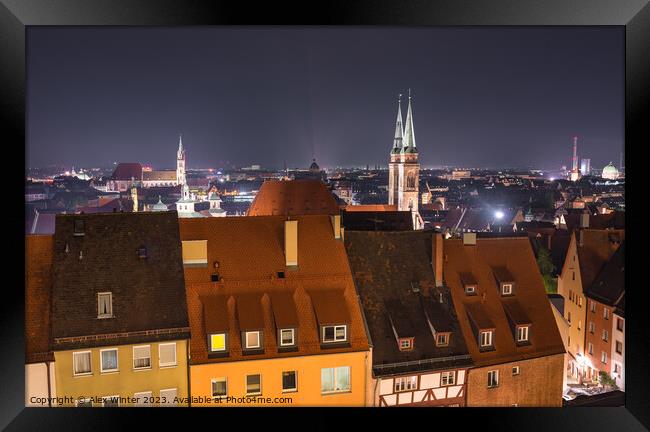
{"x": 393, "y": 275}
{"x": 148, "y": 293}
{"x": 609, "y": 285}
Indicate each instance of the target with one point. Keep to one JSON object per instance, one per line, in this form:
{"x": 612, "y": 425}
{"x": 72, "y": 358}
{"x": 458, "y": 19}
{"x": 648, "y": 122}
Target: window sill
{"x": 290, "y": 391}
{"x": 493, "y": 387}
{"x": 335, "y": 392}
{"x": 142, "y": 369}
{"x": 254, "y": 394}
{"x": 110, "y": 372}
{"x": 106, "y": 317}
{"x": 79, "y": 375}
{"x": 168, "y": 366}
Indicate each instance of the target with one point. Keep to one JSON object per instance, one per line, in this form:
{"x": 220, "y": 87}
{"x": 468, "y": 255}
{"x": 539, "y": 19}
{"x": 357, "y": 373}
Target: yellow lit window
{"x": 218, "y": 342}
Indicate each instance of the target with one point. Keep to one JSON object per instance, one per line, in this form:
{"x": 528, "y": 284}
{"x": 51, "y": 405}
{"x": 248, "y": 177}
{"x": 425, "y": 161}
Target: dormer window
{"x": 406, "y": 344}
{"x": 79, "y": 228}
{"x": 506, "y": 289}
{"x": 486, "y": 339}
{"x": 218, "y": 342}
{"x": 334, "y": 333}
{"x": 287, "y": 337}
{"x": 442, "y": 339}
{"x": 470, "y": 289}
{"x": 522, "y": 334}
{"x": 142, "y": 252}
{"x": 252, "y": 340}
{"x": 105, "y": 305}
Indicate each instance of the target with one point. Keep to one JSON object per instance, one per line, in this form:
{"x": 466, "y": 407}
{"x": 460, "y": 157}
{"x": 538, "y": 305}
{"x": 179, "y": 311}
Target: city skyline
{"x": 506, "y": 97}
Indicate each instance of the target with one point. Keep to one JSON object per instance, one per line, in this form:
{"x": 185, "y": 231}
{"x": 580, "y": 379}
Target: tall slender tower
{"x": 134, "y": 197}
{"x": 575, "y": 172}
{"x": 180, "y": 162}
{"x": 409, "y": 170}
{"x": 393, "y": 171}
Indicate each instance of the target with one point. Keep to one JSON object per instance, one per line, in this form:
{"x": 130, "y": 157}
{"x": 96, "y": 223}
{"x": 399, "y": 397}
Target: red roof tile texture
{"x": 250, "y": 253}
{"x": 38, "y": 285}
{"x": 489, "y": 308}
{"x": 293, "y": 197}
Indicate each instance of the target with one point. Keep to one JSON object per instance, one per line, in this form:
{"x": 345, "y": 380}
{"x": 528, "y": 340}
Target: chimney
{"x": 336, "y": 225}
{"x": 437, "y": 258}
{"x": 584, "y": 220}
{"x": 291, "y": 242}
{"x": 469, "y": 239}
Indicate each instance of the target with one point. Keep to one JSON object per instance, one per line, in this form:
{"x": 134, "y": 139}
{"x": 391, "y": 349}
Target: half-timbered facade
{"x": 419, "y": 355}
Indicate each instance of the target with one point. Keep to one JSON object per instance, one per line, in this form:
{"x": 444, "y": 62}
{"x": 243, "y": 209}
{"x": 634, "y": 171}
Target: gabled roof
{"x": 386, "y": 267}
{"x": 489, "y": 308}
{"x": 596, "y": 249}
{"x": 609, "y": 285}
{"x": 38, "y": 285}
{"x": 293, "y": 197}
{"x": 250, "y": 253}
{"x": 126, "y": 171}
{"x": 148, "y": 293}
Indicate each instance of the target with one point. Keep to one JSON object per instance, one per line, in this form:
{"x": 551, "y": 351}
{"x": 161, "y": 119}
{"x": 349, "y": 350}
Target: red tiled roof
{"x": 371, "y": 208}
{"x": 125, "y": 171}
{"x": 250, "y": 253}
{"x": 38, "y": 284}
{"x": 293, "y": 197}
{"x": 489, "y": 307}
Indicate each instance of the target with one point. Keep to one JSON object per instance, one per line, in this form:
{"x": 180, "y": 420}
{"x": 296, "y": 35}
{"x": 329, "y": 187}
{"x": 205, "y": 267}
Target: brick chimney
{"x": 584, "y": 220}
{"x": 291, "y": 242}
{"x": 336, "y": 225}
{"x": 437, "y": 255}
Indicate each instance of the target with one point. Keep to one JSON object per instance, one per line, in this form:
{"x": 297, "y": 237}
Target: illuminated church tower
{"x": 404, "y": 168}
{"x": 180, "y": 162}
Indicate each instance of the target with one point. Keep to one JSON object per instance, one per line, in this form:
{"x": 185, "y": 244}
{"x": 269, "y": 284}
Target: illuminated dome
{"x": 610, "y": 172}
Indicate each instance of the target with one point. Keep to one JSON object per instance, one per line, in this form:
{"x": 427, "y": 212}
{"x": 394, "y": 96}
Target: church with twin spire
{"x": 404, "y": 166}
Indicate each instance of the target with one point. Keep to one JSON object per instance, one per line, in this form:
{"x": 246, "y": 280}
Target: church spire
{"x": 180, "y": 142}
{"x": 399, "y": 129}
{"x": 409, "y": 132}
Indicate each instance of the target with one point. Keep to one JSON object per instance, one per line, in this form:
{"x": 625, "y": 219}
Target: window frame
{"x": 521, "y": 330}
{"x": 74, "y": 372}
{"x": 345, "y": 332}
{"x": 213, "y": 381}
{"x": 616, "y": 344}
{"x": 293, "y": 337}
{"x": 256, "y": 393}
{"x": 110, "y": 304}
{"x": 160, "y": 362}
{"x": 409, "y": 344}
{"x": 407, "y": 383}
{"x": 101, "y": 361}
{"x": 146, "y": 394}
{"x": 620, "y": 324}
{"x": 603, "y": 357}
{"x": 225, "y": 343}
{"x": 451, "y": 374}
{"x": 172, "y": 403}
{"x": 259, "y": 340}
{"x": 605, "y": 313}
{"x": 335, "y": 376}
{"x": 134, "y": 358}
{"x": 605, "y": 335}
{"x": 446, "y": 335}
{"x": 109, "y": 397}
{"x": 503, "y": 289}
{"x": 491, "y": 338}
{"x": 590, "y": 348}
{"x": 295, "y": 381}
{"x": 470, "y": 289}
{"x": 495, "y": 378}
{"x": 516, "y": 370}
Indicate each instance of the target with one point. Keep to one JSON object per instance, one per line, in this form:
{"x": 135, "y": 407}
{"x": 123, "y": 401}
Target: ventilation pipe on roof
{"x": 469, "y": 238}
{"x": 291, "y": 242}
{"x": 437, "y": 258}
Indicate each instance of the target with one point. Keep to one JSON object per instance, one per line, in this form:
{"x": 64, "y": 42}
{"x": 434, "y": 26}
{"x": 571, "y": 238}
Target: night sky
{"x": 489, "y": 97}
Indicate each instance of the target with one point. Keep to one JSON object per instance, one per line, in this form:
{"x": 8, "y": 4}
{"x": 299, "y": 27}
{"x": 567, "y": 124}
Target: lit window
{"x": 592, "y": 327}
{"x": 109, "y": 360}
{"x": 605, "y": 335}
{"x": 167, "y": 354}
{"x": 605, "y": 313}
{"x": 603, "y": 357}
{"x": 579, "y": 324}
{"x": 405, "y": 344}
{"x": 287, "y": 337}
{"x": 253, "y": 384}
{"x": 218, "y": 342}
{"x": 105, "y": 305}
{"x": 142, "y": 357}
{"x": 252, "y": 340}
{"x": 486, "y": 338}
{"x": 406, "y": 383}
{"x": 592, "y": 306}
{"x": 493, "y": 378}
{"x": 335, "y": 380}
{"x": 590, "y": 348}
{"x": 219, "y": 387}
{"x": 470, "y": 289}
{"x": 82, "y": 363}
{"x": 579, "y": 301}
{"x": 506, "y": 289}
{"x": 334, "y": 333}
{"x": 142, "y": 252}
{"x": 515, "y": 370}
{"x": 289, "y": 383}
{"x": 442, "y": 339}
{"x": 448, "y": 378}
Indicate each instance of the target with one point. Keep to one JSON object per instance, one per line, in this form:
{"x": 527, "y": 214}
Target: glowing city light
{"x": 499, "y": 214}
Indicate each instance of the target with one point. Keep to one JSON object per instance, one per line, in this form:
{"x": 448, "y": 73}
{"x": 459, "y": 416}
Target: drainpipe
{"x": 49, "y": 385}
{"x": 187, "y": 364}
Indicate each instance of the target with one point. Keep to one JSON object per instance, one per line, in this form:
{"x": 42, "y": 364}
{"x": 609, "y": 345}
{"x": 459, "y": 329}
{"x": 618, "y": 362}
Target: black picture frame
{"x": 17, "y": 15}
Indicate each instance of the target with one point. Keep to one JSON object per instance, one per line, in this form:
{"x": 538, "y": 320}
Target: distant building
{"x": 574, "y": 174}
{"x": 585, "y": 166}
{"x": 610, "y": 172}
{"x": 293, "y": 197}
{"x": 404, "y": 168}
